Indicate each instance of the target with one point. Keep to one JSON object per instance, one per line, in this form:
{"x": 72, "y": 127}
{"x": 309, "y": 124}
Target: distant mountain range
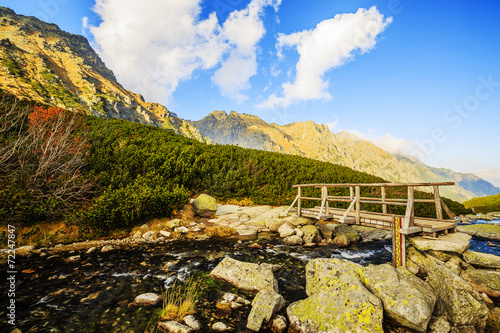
{"x": 41, "y": 62}
{"x": 316, "y": 141}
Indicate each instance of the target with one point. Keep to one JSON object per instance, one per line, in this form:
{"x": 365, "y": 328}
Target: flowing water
{"x": 94, "y": 294}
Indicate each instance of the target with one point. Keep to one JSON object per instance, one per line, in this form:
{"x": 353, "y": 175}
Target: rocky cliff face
{"x": 46, "y": 64}
{"x": 316, "y": 141}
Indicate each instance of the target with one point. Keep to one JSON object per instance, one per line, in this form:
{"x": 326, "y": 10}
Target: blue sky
{"x": 418, "y": 76}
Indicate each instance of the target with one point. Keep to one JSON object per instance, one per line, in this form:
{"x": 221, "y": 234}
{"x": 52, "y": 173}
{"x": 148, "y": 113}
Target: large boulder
{"x": 482, "y": 259}
{"x": 293, "y": 240}
{"x": 455, "y": 242}
{"x": 326, "y": 229}
{"x": 402, "y": 300}
{"x": 286, "y": 230}
{"x": 204, "y": 205}
{"x": 266, "y": 218}
{"x": 418, "y": 262}
{"x": 369, "y": 234}
{"x": 484, "y": 281}
{"x": 299, "y": 221}
{"x": 345, "y": 306}
{"x": 348, "y": 231}
{"x": 246, "y": 276}
{"x": 341, "y": 241}
{"x": 322, "y": 273}
{"x": 311, "y": 234}
{"x": 275, "y": 224}
{"x": 226, "y": 209}
{"x": 457, "y": 299}
{"x": 484, "y": 230}
{"x": 265, "y": 304}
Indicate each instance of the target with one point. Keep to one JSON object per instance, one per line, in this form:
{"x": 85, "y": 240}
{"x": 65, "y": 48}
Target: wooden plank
{"x": 348, "y": 210}
{"x": 447, "y": 210}
{"x": 437, "y": 200}
{"x": 293, "y": 203}
{"x": 384, "y": 206}
{"x": 299, "y": 202}
{"x": 323, "y": 199}
{"x": 409, "y": 209}
{"x": 410, "y": 230}
{"x": 358, "y": 204}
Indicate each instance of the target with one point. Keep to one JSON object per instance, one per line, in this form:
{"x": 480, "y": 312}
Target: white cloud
{"x": 331, "y": 44}
{"x": 387, "y": 142}
{"x": 489, "y": 173}
{"x": 154, "y": 45}
{"x": 332, "y": 125}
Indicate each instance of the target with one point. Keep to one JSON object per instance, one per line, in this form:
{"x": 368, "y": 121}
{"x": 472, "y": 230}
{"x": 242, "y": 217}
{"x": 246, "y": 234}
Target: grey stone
{"x": 480, "y": 259}
{"x": 107, "y": 248}
{"x": 311, "y": 234}
{"x": 278, "y": 324}
{"x": 165, "y": 234}
{"x": 265, "y": 304}
{"x": 484, "y": 281}
{"x": 454, "y": 242}
{"x": 286, "y": 230}
{"x": 292, "y": 240}
{"x": 147, "y": 299}
{"x": 402, "y": 301}
{"x": 439, "y": 325}
{"x": 204, "y": 205}
{"x": 149, "y": 236}
{"x": 192, "y": 323}
{"x": 226, "y": 209}
{"x": 173, "y": 327}
{"x": 173, "y": 223}
{"x": 220, "y": 327}
{"x": 456, "y": 299}
{"x": 246, "y": 276}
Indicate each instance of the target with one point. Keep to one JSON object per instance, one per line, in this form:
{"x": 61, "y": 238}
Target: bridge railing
{"x": 356, "y": 200}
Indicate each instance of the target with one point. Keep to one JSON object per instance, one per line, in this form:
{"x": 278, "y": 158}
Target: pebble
{"x": 92, "y": 249}
{"x": 220, "y": 327}
{"x": 165, "y": 233}
{"x": 107, "y": 248}
{"x": 173, "y": 327}
{"x": 147, "y": 299}
{"x": 192, "y": 322}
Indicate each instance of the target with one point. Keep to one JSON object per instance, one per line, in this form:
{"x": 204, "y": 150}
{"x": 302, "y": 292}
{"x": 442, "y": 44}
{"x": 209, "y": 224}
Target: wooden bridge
{"x": 355, "y": 214}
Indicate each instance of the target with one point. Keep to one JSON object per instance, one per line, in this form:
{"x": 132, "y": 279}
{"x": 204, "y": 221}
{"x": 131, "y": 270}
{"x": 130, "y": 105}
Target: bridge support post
{"x": 358, "y": 205}
{"x": 437, "y": 200}
{"x": 384, "y": 206}
{"x": 299, "y": 202}
{"x": 398, "y": 244}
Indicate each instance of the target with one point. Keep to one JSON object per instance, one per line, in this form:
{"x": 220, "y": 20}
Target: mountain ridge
{"x": 316, "y": 141}
{"x": 46, "y": 64}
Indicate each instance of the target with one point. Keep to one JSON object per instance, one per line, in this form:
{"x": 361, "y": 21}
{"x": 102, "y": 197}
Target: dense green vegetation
{"x": 142, "y": 172}
{"x": 484, "y": 204}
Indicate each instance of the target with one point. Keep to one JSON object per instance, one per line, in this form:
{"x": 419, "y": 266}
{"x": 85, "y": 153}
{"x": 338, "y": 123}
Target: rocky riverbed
{"x": 107, "y": 286}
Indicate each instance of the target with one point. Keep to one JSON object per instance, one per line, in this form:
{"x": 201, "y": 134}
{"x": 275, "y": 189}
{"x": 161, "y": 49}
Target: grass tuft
{"x": 180, "y": 300}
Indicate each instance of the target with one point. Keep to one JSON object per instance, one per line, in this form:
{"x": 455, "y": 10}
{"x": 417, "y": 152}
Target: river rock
{"x": 165, "y": 233}
{"x": 149, "y": 236}
{"x": 341, "y": 241}
{"x": 344, "y": 306}
{"x": 147, "y": 299}
{"x": 182, "y": 230}
{"x": 311, "y": 234}
{"x": 265, "y": 304}
{"x": 252, "y": 212}
{"x": 482, "y": 259}
{"x": 226, "y": 209}
{"x": 293, "y": 240}
{"x": 368, "y": 234}
{"x": 91, "y": 250}
{"x": 276, "y": 224}
{"x": 173, "y": 327}
{"x": 137, "y": 235}
{"x": 348, "y": 231}
{"x": 247, "y": 231}
{"x": 326, "y": 229}
{"x": 457, "y": 242}
{"x": 246, "y": 276}
{"x": 204, "y": 205}
{"x": 220, "y": 327}
{"x": 278, "y": 324}
{"x": 440, "y": 255}
{"x": 173, "y": 223}
{"x": 192, "y": 322}
{"x": 144, "y": 227}
{"x": 417, "y": 262}
{"x": 456, "y": 299}
{"x": 402, "y": 302}
{"x": 485, "y": 230}
{"x": 234, "y": 300}
{"x": 493, "y": 322}
{"x": 439, "y": 325}
{"x": 286, "y": 230}
{"x": 107, "y": 248}
{"x": 484, "y": 281}
{"x": 322, "y": 272}
{"x": 266, "y": 218}
{"x": 299, "y": 221}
